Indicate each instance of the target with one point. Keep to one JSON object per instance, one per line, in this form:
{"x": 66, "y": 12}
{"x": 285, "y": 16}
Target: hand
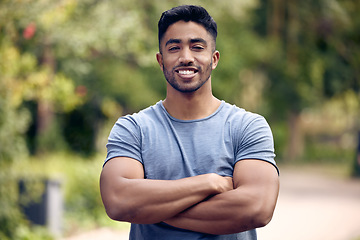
{"x": 220, "y": 184}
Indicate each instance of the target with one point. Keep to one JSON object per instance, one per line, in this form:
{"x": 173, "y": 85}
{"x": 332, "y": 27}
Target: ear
{"x": 216, "y": 58}
{"x": 159, "y": 59}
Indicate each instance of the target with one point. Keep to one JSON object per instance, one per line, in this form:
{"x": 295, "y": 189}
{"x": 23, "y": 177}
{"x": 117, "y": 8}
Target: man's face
{"x": 187, "y": 56}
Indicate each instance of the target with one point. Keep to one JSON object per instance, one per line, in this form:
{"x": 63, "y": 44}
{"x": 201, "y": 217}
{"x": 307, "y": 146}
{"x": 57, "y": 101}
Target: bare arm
{"x": 250, "y": 205}
{"x": 127, "y": 196}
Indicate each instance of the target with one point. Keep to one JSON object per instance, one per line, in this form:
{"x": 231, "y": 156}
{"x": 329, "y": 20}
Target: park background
{"x": 69, "y": 69}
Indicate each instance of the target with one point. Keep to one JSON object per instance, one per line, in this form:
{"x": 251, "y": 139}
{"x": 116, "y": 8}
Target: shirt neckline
{"x": 193, "y": 120}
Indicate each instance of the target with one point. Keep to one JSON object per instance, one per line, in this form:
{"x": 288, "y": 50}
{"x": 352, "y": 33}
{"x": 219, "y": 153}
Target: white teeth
{"x": 186, "y": 72}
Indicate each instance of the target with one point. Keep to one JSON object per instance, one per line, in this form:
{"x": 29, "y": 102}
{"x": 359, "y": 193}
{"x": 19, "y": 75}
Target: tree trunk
{"x": 356, "y": 168}
{"x": 275, "y": 17}
{"x": 45, "y": 113}
{"x": 44, "y": 117}
{"x": 295, "y": 147}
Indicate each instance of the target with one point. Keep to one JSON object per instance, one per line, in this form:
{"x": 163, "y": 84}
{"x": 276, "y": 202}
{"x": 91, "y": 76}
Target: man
{"x": 191, "y": 166}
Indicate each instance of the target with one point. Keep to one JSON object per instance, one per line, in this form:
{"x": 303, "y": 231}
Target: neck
{"x": 190, "y": 106}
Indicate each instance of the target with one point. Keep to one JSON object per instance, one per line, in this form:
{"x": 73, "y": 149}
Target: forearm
{"x": 227, "y": 213}
{"x": 150, "y": 201}
{"x": 218, "y": 215}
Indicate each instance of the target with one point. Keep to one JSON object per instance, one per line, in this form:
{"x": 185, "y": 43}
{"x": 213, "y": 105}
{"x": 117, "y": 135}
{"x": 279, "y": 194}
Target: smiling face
{"x": 187, "y": 56}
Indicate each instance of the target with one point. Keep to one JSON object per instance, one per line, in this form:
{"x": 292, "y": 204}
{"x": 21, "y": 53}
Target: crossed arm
{"x": 206, "y": 203}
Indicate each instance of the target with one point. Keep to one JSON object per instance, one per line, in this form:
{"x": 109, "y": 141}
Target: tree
{"x": 28, "y": 69}
{"x": 75, "y": 52}
{"x": 316, "y": 58}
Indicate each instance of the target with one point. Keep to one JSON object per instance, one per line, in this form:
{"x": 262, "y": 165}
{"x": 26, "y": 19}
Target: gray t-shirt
{"x": 170, "y": 149}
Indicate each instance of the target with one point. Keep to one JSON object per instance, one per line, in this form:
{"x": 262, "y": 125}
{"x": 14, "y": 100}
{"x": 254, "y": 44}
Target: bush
{"x": 83, "y": 208}
{"x": 13, "y": 124}
{"x": 13, "y": 223}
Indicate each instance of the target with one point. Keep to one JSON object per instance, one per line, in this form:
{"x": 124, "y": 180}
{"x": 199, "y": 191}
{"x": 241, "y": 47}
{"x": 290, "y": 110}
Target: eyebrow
{"x": 198, "y": 40}
{"x": 193, "y": 40}
{"x": 170, "y": 41}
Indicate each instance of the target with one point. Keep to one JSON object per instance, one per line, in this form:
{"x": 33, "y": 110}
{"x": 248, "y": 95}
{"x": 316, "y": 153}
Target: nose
{"x": 186, "y": 57}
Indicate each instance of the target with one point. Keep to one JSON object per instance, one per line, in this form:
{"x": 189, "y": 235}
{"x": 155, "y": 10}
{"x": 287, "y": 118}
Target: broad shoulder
{"x": 143, "y": 116}
{"x": 241, "y": 117}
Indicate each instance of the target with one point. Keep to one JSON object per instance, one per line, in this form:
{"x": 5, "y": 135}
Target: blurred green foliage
{"x": 69, "y": 69}
{"x": 13, "y": 223}
{"x": 83, "y": 63}
{"x": 79, "y": 178}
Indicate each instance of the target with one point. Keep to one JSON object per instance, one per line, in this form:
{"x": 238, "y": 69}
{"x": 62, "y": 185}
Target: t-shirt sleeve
{"x": 256, "y": 141}
{"x": 124, "y": 140}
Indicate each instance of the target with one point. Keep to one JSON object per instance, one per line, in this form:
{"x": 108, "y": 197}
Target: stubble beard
{"x": 170, "y": 78}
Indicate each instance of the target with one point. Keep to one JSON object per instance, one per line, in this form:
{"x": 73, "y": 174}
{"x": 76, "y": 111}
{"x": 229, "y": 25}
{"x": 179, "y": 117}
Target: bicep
{"x": 254, "y": 172}
{"x": 113, "y": 174}
{"x": 123, "y": 167}
{"x": 260, "y": 179}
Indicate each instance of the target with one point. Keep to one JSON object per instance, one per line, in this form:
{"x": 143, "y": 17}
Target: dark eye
{"x": 198, "y": 47}
{"x": 171, "y": 49}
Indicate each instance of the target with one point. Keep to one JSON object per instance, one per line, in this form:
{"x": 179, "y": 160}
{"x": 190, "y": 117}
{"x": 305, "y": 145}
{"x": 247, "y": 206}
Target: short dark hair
{"x": 187, "y": 13}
